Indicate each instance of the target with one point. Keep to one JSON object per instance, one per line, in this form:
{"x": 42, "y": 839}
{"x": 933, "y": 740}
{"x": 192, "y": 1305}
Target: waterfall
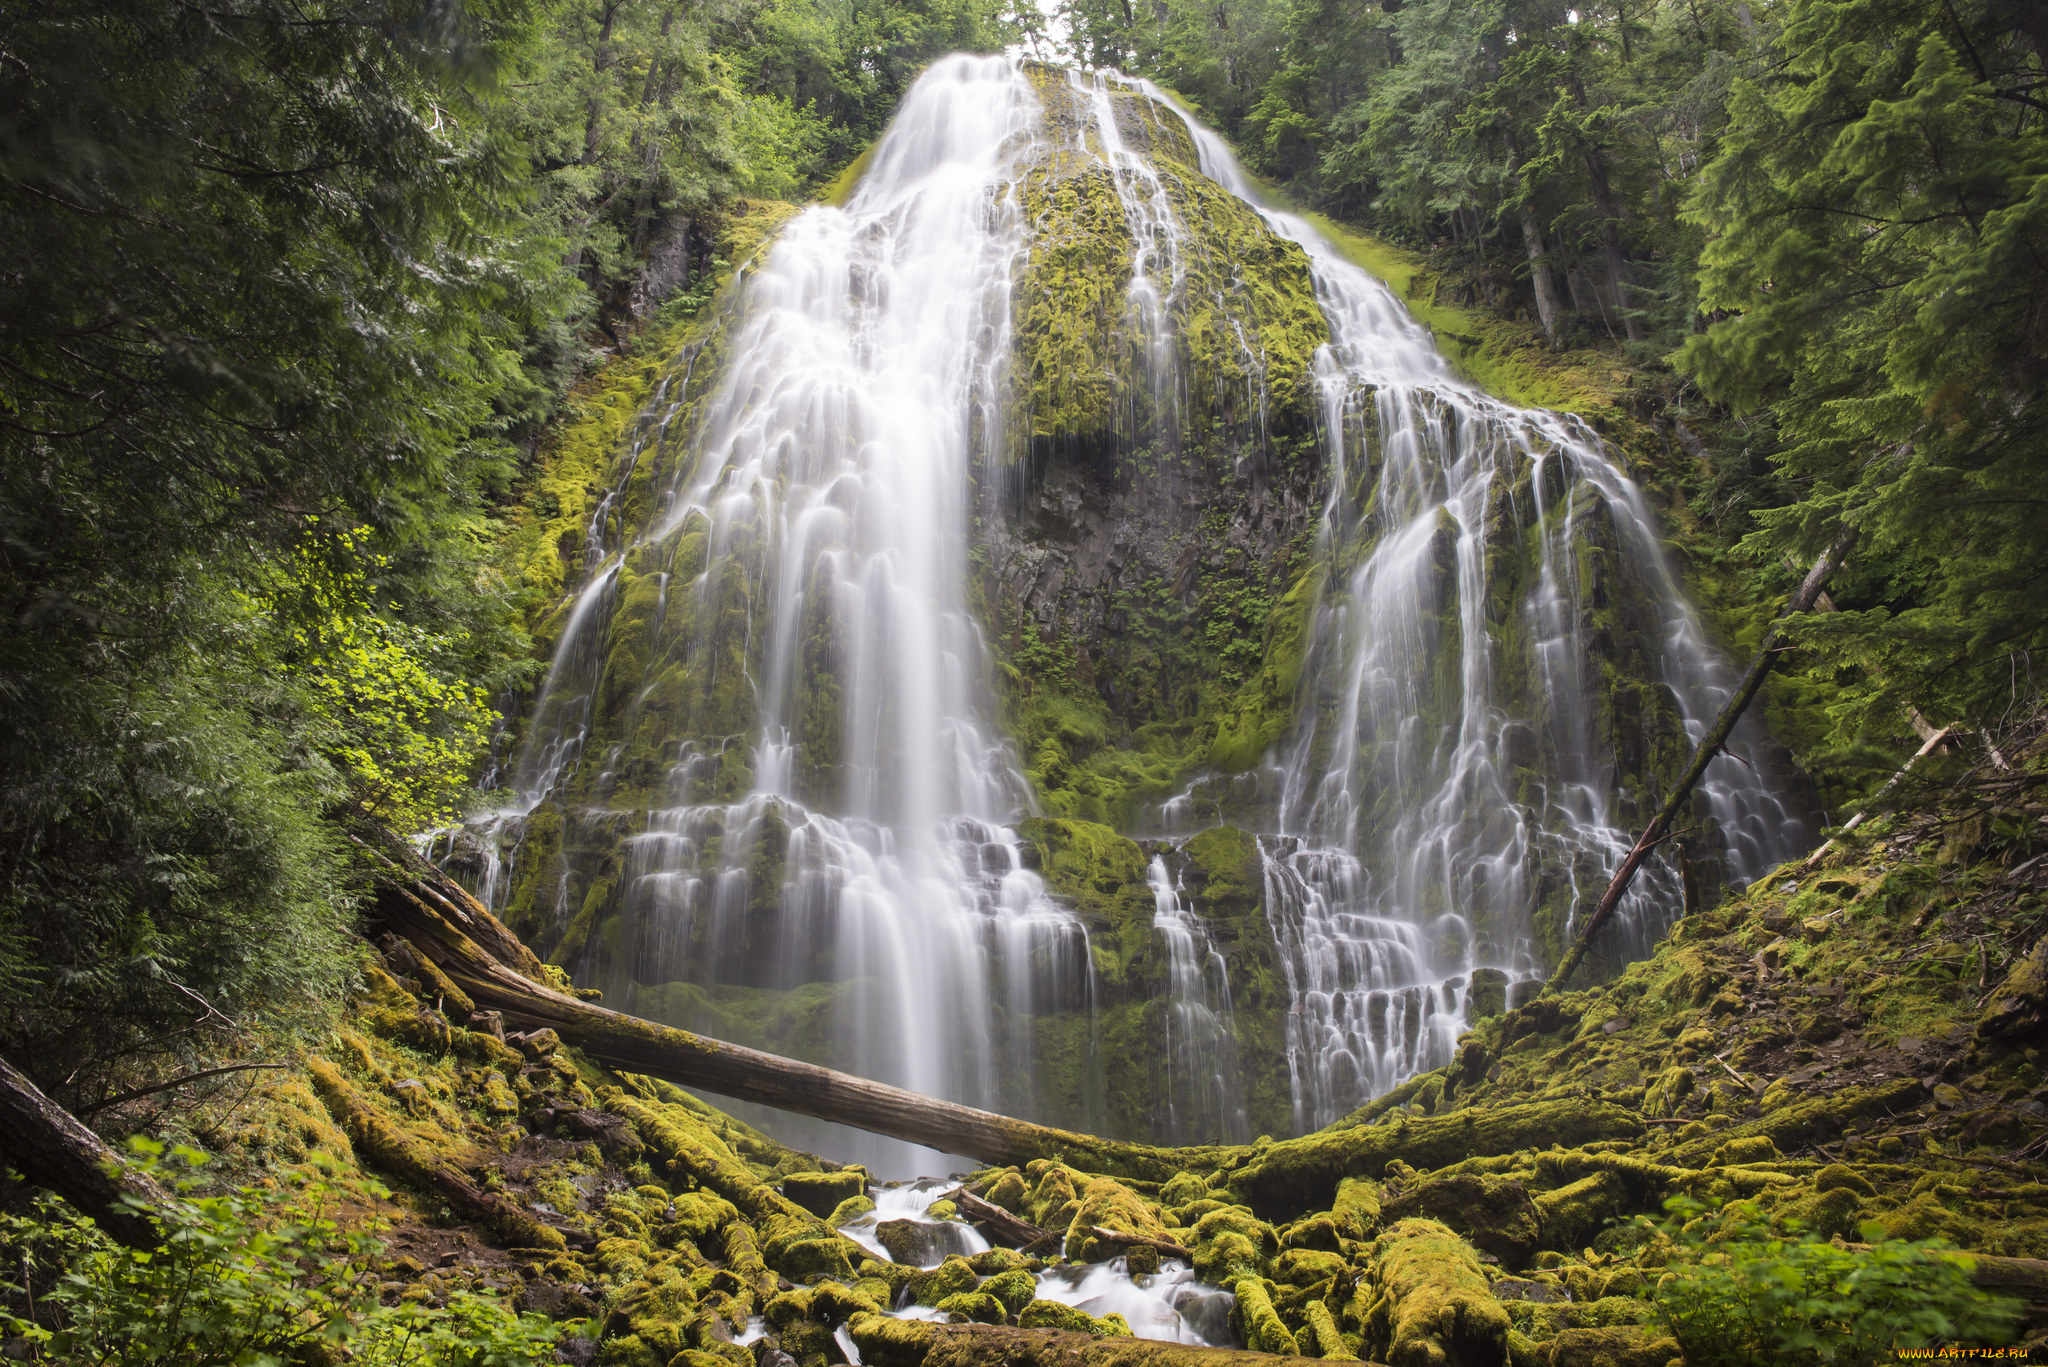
{"x": 1447, "y": 785}
{"x": 1204, "y": 1093}
{"x": 768, "y": 750}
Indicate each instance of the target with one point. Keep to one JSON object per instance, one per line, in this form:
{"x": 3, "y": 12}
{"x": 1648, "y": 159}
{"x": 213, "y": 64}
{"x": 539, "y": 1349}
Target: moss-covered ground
{"x": 1854, "y": 1045}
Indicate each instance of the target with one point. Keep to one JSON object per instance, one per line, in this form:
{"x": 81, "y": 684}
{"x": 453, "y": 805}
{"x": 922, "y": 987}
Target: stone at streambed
{"x": 821, "y": 1192}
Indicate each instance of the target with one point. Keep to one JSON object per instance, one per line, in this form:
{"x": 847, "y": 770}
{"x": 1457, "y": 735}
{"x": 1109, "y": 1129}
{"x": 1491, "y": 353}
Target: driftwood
{"x": 1117, "y": 1236}
{"x": 1716, "y": 737}
{"x": 488, "y": 964}
{"x": 1000, "y": 1224}
{"x": 51, "y": 1148}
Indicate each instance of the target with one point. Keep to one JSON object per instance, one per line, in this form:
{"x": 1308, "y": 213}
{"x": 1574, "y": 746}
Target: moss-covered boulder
{"x": 977, "y": 1306}
{"x": 1495, "y": 1214}
{"x": 821, "y": 1193}
{"x": 1619, "y": 1346}
{"x": 947, "y": 1279}
{"x": 1108, "y": 1204}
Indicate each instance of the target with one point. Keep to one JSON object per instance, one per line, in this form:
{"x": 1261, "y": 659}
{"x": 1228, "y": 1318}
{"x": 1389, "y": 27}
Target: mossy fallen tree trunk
{"x": 1302, "y": 1174}
{"x": 885, "y": 1342}
{"x": 444, "y": 924}
{"x": 53, "y": 1149}
{"x": 403, "y": 1156}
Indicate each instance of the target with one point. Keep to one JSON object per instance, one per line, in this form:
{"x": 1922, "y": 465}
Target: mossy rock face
{"x": 1227, "y": 875}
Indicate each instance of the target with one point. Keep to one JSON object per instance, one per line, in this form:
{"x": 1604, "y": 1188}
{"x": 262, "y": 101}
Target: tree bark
{"x": 53, "y": 1149}
{"x": 1716, "y": 738}
{"x": 1000, "y": 1223}
{"x": 1539, "y": 275}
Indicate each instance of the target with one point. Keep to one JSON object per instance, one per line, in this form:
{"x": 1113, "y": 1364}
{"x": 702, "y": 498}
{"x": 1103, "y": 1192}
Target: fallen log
{"x": 1117, "y": 1236}
{"x": 1302, "y": 1174}
{"x": 52, "y": 1148}
{"x": 403, "y": 1156}
{"x": 1710, "y": 746}
{"x": 885, "y": 1342}
{"x": 1933, "y": 742}
{"x": 999, "y": 1223}
{"x": 512, "y": 985}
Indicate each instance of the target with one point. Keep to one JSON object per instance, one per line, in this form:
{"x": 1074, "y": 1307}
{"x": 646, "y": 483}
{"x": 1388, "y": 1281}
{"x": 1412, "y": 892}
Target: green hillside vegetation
{"x": 326, "y": 327}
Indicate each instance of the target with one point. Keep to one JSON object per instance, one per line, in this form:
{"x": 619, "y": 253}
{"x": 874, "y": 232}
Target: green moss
{"x": 1430, "y": 1302}
{"x": 1229, "y": 879}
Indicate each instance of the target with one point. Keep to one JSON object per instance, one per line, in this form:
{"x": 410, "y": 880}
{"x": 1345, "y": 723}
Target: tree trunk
{"x": 51, "y": 1148}
{"x": 1539, "y": 275}
{"x": 410, "y": 900}
{"x": 1731, "y": 712}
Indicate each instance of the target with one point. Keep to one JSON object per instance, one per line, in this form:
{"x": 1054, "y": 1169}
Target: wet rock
{"x": 1517, "y": 1289}
{"x": 820, "y": 1193}
{"x": 909, "y": 1242}
{"x": 976, "y": 1306}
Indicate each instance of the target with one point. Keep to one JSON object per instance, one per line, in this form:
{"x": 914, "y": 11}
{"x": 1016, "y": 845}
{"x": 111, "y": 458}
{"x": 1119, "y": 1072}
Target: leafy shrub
{"x": 1755, "y": 1291}
{"x": 253, "y": 1278}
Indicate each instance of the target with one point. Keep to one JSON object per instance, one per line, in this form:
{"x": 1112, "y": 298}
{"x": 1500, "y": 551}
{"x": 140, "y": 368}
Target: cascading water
{"x": 1449, "y": 786}
{"x": 769, "y": 717}
{"x": 811, "y": 563}
{"x": 1204, "y": 1095}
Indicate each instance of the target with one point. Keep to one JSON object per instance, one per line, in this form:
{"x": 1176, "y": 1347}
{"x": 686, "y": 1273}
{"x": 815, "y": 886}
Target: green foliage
{"x": 255, "y": 1277}
{"x": 1880, "y": 230}
{"x": 1753, "y": 1292}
